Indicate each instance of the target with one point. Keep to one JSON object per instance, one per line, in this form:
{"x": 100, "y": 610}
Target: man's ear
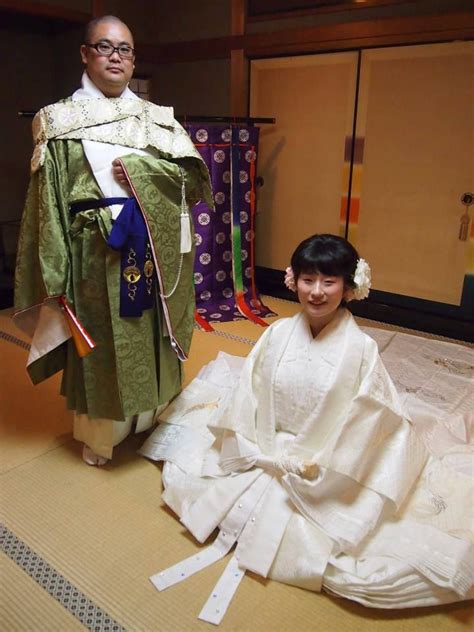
{"x": 83, "y": 51}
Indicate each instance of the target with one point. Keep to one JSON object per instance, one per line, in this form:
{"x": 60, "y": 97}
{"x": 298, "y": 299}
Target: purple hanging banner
{"x": 224, "y": 269}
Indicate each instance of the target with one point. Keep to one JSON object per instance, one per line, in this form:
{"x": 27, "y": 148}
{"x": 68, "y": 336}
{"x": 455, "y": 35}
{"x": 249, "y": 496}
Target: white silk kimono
{"x": 316, "y": 470}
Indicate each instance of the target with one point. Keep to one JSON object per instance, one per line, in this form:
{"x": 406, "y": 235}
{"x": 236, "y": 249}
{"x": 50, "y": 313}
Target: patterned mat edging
{"x": 14, "y": 340}
{"x": 56, "y": 585}
{"x": 225, "y": 334}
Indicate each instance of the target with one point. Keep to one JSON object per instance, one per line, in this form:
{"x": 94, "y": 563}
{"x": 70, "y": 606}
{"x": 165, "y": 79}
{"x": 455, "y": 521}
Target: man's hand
{"x": 119, "y": 173}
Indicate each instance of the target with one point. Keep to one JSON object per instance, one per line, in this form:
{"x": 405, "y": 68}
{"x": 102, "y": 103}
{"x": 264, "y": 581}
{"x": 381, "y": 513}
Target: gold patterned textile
{"x": 129, "y": 122}
{"x": 135, "y": 366}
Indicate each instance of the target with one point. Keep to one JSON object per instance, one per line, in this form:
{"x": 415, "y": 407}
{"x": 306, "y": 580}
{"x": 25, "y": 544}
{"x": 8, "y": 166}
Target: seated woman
{"x": 309, "y": 463}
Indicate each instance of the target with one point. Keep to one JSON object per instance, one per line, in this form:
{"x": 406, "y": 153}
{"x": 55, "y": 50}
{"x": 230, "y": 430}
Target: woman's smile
{"x": 320, "y": 296}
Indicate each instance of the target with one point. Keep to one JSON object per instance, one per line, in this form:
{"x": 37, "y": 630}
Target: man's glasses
{"x": 107, "y": 50}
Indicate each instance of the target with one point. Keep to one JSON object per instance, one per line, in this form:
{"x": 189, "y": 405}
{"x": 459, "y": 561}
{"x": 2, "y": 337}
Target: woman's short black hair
{"x": 328, "y": 254}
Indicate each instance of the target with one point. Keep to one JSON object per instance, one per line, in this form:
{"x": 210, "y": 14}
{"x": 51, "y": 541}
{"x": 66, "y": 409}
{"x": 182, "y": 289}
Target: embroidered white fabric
{"x": 386, "y": 516}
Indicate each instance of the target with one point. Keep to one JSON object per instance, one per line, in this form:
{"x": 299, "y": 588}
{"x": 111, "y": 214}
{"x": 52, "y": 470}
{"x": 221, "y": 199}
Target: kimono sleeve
{"x": 44, "y": 261}
{"x": 239, "y": 413}
{"x": 198, "y": 186}
{"x": 376, "y": 444}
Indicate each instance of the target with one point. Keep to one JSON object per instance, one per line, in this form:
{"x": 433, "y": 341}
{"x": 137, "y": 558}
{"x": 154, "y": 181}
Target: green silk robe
{"x": 135, "y": 366}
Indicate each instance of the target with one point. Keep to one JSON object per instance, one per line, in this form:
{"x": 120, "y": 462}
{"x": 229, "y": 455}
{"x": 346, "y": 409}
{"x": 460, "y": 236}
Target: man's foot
{"x": 91, "y": 458}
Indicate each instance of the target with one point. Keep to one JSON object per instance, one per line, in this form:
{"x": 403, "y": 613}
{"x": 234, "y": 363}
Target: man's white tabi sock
{"x": 91, "y": 458}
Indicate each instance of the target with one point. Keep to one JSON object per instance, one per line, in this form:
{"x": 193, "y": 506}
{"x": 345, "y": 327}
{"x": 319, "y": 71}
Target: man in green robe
{"x": 106, "y": 233}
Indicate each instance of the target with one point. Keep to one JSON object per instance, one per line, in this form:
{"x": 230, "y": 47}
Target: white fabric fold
{"x": 263, "y": 533}
{"x": 445, "y": 560}
{"x": 204, "y": 514}
{"x": 339, "y": 506}
{"x": 49, "y": 331}
{"x": 230, "y": 530}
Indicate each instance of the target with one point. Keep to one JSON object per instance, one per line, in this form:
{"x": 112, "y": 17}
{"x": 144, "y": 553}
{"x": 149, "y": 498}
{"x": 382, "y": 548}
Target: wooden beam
{"x": 363, "y": 34}
{"x": 238, "y": 63}
{"x": 262, "y": 13}
{"x": 357, "y": 43}
{"x": 238, "y": 15}
{"x": 216, "y": 48}
{"x": 238, "y": 83}
{"x": 98, "y": 8}
{"x": 44, "y": 10}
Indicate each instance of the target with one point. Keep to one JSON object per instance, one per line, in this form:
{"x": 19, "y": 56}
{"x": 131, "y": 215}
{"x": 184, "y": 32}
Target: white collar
{"x": 89, "y": 90}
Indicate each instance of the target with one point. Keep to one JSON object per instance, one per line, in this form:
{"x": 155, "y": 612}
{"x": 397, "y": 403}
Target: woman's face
{"x": 320, "y": 296}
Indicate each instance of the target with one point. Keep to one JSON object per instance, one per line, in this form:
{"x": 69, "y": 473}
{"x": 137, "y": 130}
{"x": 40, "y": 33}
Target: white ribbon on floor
{"x": 246, "y": 524}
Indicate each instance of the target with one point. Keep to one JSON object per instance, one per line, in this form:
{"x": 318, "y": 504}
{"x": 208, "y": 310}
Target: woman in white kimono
{"x": 308, "y": 462}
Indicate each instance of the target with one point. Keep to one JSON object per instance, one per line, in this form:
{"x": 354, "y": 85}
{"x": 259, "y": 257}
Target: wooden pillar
{"x": 98, "y": 8}
{"x": 238, "y": 63}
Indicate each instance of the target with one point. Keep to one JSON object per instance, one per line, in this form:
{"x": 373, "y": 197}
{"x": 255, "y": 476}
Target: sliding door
{"x": 415, "y": 125}
{"x": 303, "y": 159}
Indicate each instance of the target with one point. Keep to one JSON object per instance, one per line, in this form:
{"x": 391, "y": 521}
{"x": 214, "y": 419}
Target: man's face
{"x": 110, "y": 74}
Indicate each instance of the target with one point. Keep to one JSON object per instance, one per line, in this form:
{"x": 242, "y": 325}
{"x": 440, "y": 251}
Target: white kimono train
{"x": 308, "y": 460}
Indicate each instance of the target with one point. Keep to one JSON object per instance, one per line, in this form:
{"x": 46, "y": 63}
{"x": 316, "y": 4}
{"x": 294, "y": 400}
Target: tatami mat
{"x": 105, "y": 530}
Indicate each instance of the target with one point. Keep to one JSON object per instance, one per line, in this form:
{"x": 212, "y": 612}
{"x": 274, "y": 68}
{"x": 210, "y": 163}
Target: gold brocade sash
{"x": 129, "y": 122}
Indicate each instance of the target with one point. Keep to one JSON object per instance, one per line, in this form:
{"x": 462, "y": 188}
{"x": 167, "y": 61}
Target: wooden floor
{"x": 79, "y": 543}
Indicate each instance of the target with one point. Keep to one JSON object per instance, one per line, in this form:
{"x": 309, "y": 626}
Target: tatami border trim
{"x": 58, "y": 587}
{"x": 14, "y": 340}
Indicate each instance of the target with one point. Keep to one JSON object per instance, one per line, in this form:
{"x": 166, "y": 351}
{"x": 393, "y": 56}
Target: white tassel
{"x": 186, "y": 244}
{"x": 185, "y": 233}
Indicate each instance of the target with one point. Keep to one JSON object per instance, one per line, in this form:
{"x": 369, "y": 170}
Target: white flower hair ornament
{"x": 362, "y": 280}
{"x": 290, "y": 279}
